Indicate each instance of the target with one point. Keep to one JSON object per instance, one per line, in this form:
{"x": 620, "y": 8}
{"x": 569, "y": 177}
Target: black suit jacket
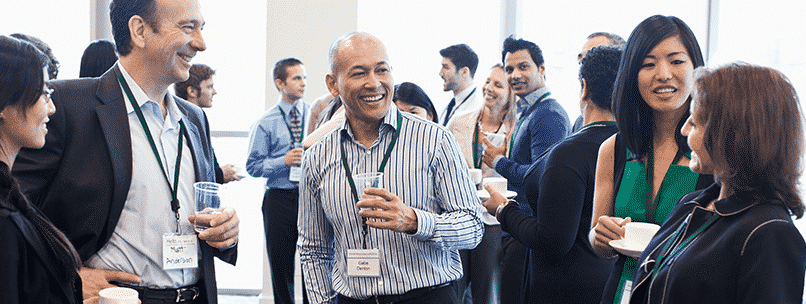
{"x": 81, "y": 178}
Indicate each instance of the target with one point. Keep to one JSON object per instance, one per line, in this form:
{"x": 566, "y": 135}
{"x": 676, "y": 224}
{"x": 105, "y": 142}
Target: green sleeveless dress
{"x": 630, "y": 202}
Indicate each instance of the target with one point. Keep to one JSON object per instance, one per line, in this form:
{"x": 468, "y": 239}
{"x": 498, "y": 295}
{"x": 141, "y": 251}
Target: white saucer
{"x": 621, "y": 248}
{"x": 484, "y": 195}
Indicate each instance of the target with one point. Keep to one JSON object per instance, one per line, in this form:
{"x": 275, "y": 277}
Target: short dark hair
{"x": 633, "y": 116}
{"x": 120, "y": 11}
{"x": 198, "y": 73}
{"x": 614, "y": 40}
{"x": 281, "y": 67}
{"x": 414, "y": 95}
{"x": 512, "y": 45}
{"x": 461, "y": 56}
{"x": 752, "y": 129}
{"x": 599, "y": 69}
{"x": 98, "y": 57}
{"x": 53, "y": 63}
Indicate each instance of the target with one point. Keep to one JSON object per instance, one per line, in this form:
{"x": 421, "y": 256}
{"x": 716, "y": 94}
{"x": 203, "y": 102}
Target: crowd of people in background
{"x": 97, "y": 176}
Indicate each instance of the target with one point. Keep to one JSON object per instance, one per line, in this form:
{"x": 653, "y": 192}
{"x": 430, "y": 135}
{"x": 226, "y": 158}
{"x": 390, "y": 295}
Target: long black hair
{"x": 633, "y": 116}
{"x": 21, "y": 82}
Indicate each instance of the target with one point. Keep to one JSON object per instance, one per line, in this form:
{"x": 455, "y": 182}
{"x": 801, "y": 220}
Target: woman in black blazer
{"x": 734, "y": 242}
{"x": 37, "y": 262}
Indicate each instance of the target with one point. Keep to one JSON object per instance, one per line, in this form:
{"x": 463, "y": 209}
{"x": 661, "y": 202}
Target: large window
{"x": 415, "y": 31}
{"x": 63, "y": 24}
{"x": 560, "y": 29}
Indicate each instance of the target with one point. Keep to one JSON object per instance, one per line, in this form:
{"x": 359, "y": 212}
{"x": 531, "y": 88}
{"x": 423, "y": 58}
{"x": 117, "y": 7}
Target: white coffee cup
{"x": 498, "y": 184}
{"x": 638, "y": 234}
{"x": 118, "y": 295}
{"x": 476, "y": 175}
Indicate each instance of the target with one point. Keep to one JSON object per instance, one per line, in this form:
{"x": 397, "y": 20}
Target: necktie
{"x": 296, "y": 126}
{"x": 448, "y": 111}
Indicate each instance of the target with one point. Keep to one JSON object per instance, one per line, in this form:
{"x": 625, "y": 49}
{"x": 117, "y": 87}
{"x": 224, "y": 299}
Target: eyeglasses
{"x": 47, "y": 93}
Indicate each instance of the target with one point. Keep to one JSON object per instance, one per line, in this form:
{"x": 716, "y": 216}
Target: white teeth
{"x": 666, "y": 90}
{"x": 373, "y": 98}
{"x": 186, "y": 58}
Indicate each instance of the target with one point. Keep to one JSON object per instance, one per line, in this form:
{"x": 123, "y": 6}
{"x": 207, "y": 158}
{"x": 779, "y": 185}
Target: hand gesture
{"x": 608, "y": 228}
{"x": 95, "y": 280}
{"x": 223, "y": 231}
{"x": 293, "y": 157}
{"x": 495, "y": 200}
{"x": 229, "y": 173}
{"x": 384, "y": 210}
{"x": 492, "y": 151}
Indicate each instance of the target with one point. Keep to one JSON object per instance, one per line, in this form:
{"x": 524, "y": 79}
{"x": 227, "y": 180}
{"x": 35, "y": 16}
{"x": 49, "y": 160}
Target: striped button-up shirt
{"x": 426, "y": 171}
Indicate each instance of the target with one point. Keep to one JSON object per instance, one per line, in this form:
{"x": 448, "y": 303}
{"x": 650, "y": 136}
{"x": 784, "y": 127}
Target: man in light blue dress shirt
{"x": 400, "y": 242}
{"x": 275, "y": 152}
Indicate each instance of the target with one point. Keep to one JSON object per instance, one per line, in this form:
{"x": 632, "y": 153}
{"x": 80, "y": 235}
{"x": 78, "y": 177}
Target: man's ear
{"x": 278, "y": 83}
{"x": 192, "y": 92}
{"x": 137, "y": 30}
{"x": 585, "y": 92}
{"x": 465, "y": 71}
{"x": 332, "y": 86}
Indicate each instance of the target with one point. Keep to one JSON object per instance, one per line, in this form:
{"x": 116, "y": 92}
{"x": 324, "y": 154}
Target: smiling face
{"x": 362, "y": 78}
{"x": 694, "y": 130}
{"x": 170, "y": 47}
{"x": 496, "y": 89}
{"x": 665, "y": 78}
{"x": 523, "y": 75}
{"x": 26, "y": 127}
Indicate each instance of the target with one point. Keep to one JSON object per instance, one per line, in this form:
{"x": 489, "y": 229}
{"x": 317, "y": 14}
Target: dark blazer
{"x": 752, "y": 253}
{"x": 81, "y": 178}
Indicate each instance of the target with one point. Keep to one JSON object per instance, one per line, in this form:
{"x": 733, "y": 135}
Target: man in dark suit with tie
{"x": 459, "y": 63}
{"x": 122, "y": 154}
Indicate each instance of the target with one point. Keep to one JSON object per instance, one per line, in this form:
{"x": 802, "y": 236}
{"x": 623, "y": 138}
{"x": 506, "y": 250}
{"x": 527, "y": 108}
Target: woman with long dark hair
{"x": 642, "y": 171}
{"x": 39, "y": 265}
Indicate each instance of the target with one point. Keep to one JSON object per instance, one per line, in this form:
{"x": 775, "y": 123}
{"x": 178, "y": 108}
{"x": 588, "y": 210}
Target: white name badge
{"x": 295, "y": 174}
{"x": 180, "y": 251}
{"x": 363, "y": 263}
{"x": 625, "y": 294}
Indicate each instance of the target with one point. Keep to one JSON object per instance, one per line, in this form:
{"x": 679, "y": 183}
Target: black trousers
{"x": 280, "y": 208}
{"x": 513, "y": 268}
{"x": 440, "y": 294}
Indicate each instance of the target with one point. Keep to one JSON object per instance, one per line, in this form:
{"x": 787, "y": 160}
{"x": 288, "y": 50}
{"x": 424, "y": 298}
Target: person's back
{"x": 98, "y": 57}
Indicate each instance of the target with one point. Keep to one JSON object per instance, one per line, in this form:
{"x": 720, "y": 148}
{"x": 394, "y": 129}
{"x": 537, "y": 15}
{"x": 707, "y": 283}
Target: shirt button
{"x": 380, "y": 283}
{"x": 369, "y": 152}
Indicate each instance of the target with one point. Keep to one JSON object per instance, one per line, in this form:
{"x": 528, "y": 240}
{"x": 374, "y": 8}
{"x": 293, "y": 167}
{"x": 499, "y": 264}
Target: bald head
{"x": 352, "y": 40}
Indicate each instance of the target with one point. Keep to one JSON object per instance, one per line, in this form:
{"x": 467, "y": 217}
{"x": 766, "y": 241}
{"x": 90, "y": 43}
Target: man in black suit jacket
{"x": 98, "y": 178}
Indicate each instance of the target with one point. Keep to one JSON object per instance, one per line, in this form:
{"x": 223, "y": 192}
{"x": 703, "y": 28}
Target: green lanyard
{"x": 382, "y": 167}
{"x": 596, "y": 124}
{"x": 663, "y": 258}
{"x": 522, "y": 119}
{"x": 290, "y": 133}
{"x": 141, "y": 118}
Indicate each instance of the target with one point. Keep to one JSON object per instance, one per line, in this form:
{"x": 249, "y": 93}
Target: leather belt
{"x": 409, "y": 295}
{"x": 167, "y": 295}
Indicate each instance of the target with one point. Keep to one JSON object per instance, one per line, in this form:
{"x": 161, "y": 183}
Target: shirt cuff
{"x": 426, "y": 223}
{"x": 495, "y": 161}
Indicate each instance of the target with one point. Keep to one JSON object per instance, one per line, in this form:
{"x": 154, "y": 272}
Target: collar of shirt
{"x": 286, "y": 108}
{"x": 462, "y": 95}
{"x": 147, "y": 105}
{"x": 532, "y": 98}
{"x": 388, "y": 124}
{"x": 731, "y": 205}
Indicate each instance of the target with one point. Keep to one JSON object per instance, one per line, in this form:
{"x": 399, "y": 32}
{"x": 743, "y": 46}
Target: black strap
{"x": 620, "y": 154}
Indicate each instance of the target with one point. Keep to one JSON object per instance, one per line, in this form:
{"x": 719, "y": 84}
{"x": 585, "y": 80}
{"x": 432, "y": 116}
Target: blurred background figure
{"x": 199, "y": 90}
{"x": 39, "y": 265}
{"x": 52, "y": 64}
{"x": 98, "y": 57}
{"x": 410, "y": 98}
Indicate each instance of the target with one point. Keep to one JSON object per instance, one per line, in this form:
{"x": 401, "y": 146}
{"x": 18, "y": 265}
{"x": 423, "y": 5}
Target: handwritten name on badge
{"x": 179, "y": 251}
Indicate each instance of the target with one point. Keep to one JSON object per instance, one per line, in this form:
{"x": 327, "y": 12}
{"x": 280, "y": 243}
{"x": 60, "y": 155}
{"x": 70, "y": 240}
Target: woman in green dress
{"x": 642, "y": 171}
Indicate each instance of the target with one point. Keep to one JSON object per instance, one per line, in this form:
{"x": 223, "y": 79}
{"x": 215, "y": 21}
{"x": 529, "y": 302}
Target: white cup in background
{"x": 476, "y": 175}
{"x": 498, "y": 184}
{"x": 495, "y": 139}
{"x": 118, "y": 295}
{"x": 638, "y": 234}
